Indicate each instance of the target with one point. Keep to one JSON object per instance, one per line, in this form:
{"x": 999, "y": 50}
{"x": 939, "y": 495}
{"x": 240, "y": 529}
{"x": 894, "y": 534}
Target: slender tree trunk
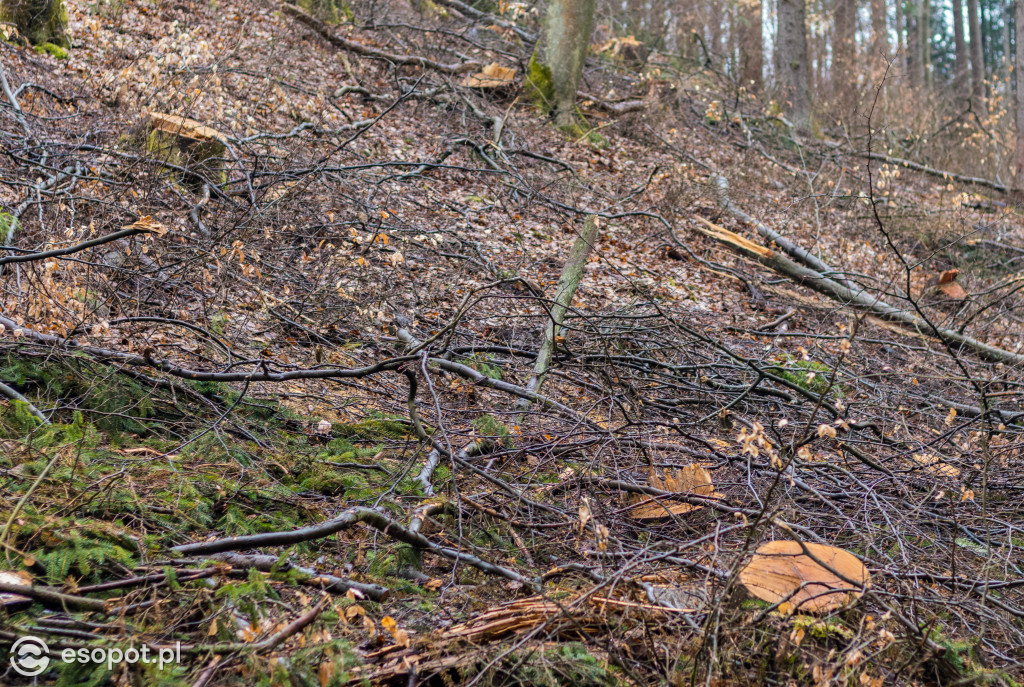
{"x": 977, "y": 60}
{"x": 913, "y": 45}
{"x": 844, "y": 52}
{"x": 557, "y": 64}
{"x": 751, "y": 44}
{"x": 924, "y": 44}
{"x": 1017, "y": 188}
{"x": 1006, "y": 12}
{"x": 901, "y": 41}
{"x": 791, "y": 55}
{"x": 880, "y": 49}
{"x": 715, "y": 42}
{"x": 960, "y": 48}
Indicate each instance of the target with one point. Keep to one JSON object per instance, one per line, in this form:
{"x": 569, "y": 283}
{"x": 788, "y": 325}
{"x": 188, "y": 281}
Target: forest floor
{"x": 287, "y": 430}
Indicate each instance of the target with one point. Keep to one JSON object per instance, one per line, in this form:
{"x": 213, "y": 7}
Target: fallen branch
{"x": 366, "y": 51}
{"x": 13, "y": 395}
{"x": 343, "y": 521}
{"x": 54, "y": 600}
{"x": 942, "y": 174}
{"x": 330, "y": 583}
{"x": 568, "y": 282}
{"x": 855, "y": 297}
{"x": 796, "y": 252}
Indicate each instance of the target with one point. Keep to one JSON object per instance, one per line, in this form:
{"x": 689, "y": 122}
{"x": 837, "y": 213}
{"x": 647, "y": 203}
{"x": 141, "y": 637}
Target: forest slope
{"x": 320, "y": 343}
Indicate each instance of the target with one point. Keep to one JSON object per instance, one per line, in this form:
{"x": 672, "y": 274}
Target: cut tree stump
{"x": 193, "y": 151}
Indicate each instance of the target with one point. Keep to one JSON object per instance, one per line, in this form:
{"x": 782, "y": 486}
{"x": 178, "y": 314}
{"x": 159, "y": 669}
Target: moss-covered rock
{"x": 40, "y": 21}
{"x": 185, "y": 144}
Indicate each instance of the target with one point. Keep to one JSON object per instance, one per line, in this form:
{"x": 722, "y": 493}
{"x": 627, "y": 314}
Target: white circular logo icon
{"x": 29, "y": 656}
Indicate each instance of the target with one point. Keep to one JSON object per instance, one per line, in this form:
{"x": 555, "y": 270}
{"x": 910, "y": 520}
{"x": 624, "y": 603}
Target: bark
{"x": 844, "y": 52}
{"x": 880, "y": 48}
{"x": 913, "y": 55}
{"x": 901, "y": 42}
{"x": 40, "y": 21}
{"x": 751, "y": 44}
{"x": 960, "y": 47}
{"x": 1017, "y": 188}
{"x": 792, "y": 63}
{"x": 924, "y": 44}
{"x": 557, "y": 65}
{"x": 977, "y": 60}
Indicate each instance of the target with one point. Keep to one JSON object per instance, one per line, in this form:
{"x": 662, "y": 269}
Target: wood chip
{"x": 493, "y": 76}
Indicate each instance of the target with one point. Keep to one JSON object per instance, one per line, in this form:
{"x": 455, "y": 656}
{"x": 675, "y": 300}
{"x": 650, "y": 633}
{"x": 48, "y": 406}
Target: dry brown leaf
{"x": 780, "y": 571}
{"x": 935, "y": 466}
{"x": 692, "y": 479}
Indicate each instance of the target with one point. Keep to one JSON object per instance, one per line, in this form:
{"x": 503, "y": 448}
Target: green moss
{"x": 379, "y": 428}
{"x": 823, "y": 629}
{"x": 9, "y": 224}
{"x": 539, "y": 86}
{"x": 51, "y": 49}
{"x": 752, "y": 604}
{"x": 199, "y": 157}
{"x": 40, "y": 21}
{"x": 492, "y": 428}
{"x": 807, "y": 374}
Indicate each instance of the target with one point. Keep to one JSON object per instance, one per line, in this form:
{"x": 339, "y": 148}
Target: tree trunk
{"x": 977, "y": 60}
{"x": 924, "y": 44}
{"x": 40, "y": 21}
{"x": 557, "y": 64}
{"x": 880, "y": 48}
{"x": 751, "y": 44}
{"x": 1006, "y": 12}
{"x": 901, "y": 42}
{"x": 791, "y": 55}
{"x": 844, "y": 51}
{"x": 1017, "y": 188}
{"x": 960, "y": 48}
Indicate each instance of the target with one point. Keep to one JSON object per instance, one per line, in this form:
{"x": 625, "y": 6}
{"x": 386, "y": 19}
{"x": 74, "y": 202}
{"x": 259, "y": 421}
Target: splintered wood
{"x": 459, "y": 645}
